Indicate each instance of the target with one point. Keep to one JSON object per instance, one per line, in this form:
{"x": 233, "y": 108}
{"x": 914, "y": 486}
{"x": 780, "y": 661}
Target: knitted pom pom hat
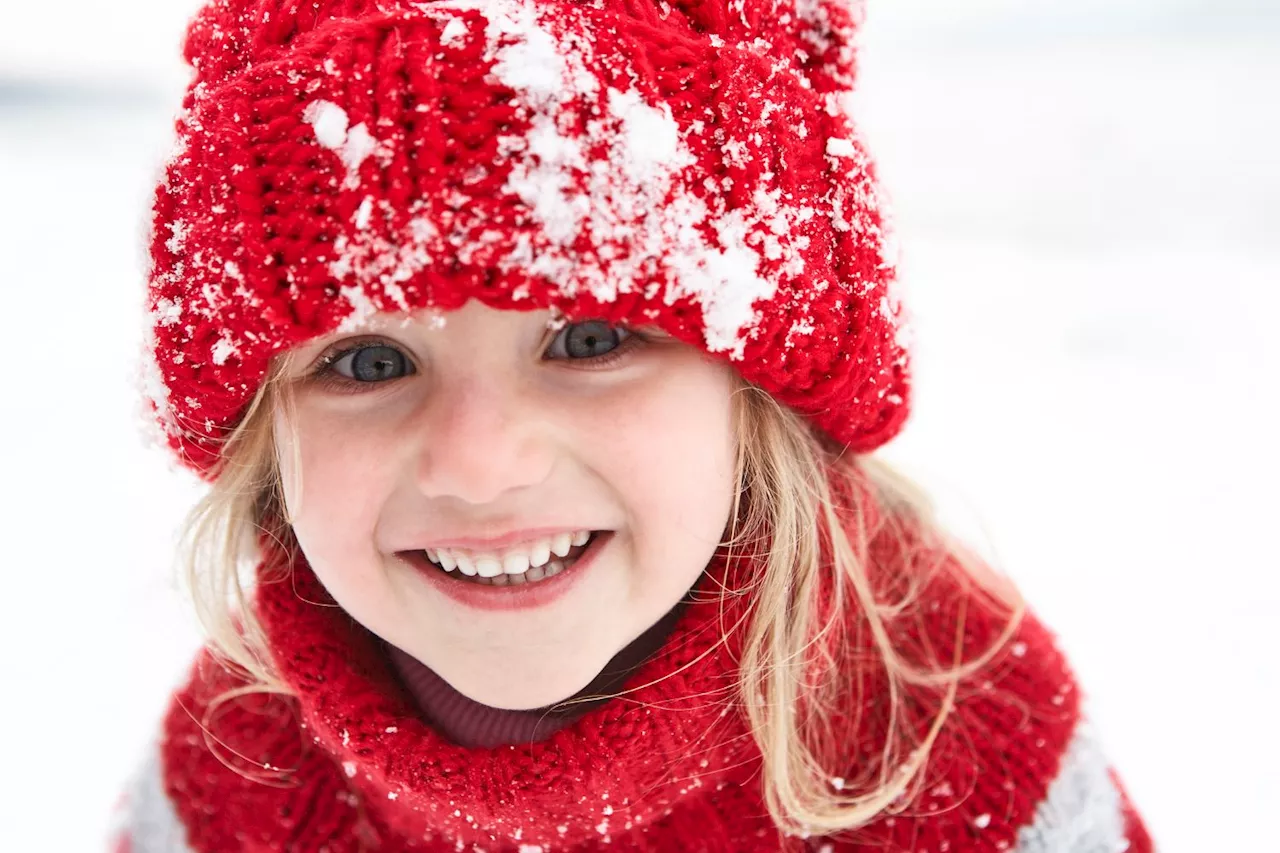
{"x": 686, "y": 164}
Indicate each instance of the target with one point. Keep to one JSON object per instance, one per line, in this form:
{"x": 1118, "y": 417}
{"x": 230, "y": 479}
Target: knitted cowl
{"x": 686, "y": 165}
{"x": 347, "y": 763}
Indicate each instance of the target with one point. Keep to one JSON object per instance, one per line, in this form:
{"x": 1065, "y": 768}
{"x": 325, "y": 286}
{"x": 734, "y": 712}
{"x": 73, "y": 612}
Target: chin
{"x": 514, "y": 687}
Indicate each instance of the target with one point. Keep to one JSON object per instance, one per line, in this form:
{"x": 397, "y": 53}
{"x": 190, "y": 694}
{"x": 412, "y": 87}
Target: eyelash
{"x": 325, "y": 376}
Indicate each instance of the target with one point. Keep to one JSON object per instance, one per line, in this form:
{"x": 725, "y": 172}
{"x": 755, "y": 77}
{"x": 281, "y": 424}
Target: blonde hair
{"x": 793, "y": 511}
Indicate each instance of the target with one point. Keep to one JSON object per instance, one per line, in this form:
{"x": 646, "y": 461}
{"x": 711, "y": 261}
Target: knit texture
{"x": 349, "y": 764}
{"x": 686, "y": 165}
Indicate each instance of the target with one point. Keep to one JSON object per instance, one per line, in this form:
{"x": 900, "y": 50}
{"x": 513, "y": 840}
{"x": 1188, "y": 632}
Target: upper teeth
{"x": 514, "y": 561}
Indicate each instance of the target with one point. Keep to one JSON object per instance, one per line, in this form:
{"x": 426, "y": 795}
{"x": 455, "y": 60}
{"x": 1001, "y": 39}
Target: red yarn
{"x": 687, "y": 166}
{"x": 349, "y": 765}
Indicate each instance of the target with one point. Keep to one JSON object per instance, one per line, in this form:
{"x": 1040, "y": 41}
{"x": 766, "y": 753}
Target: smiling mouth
{"x": 469, "y": 572}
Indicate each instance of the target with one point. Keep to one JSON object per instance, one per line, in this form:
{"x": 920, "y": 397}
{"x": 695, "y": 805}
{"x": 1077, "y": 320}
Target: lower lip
{"x": 522, "y": 597}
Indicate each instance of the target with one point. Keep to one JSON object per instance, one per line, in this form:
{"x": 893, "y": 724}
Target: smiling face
{"x": 484, "y": 436}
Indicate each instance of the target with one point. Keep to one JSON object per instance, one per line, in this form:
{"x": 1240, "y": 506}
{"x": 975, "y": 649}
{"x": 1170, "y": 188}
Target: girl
{"x": 534, "y": 351}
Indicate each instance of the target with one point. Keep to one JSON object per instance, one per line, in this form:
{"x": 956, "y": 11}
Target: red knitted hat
{"x": 687, "y": 165}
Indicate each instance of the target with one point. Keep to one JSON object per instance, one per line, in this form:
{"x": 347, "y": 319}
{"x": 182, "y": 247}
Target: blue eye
{"x": 371, "y": 363}
{"x": 589, "y": 340}
{"x": 590, "y": 344}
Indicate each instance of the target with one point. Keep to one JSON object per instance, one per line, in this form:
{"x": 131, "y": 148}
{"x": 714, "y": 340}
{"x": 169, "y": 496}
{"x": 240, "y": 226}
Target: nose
{"x": 478, "y": 441}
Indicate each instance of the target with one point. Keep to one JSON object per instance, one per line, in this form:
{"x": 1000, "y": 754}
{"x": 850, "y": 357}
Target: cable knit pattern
{"x": 685, "y": 165}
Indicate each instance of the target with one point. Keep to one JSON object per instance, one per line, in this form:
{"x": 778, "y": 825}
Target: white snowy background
{"x": 1088, "y": 194}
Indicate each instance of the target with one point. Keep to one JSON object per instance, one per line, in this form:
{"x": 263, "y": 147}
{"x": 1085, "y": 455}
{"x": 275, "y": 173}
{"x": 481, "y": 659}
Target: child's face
{"x": 493, "y": 424}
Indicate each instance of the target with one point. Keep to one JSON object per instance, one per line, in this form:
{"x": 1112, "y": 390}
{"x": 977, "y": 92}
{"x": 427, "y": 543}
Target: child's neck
{"x": 472, "y": 724}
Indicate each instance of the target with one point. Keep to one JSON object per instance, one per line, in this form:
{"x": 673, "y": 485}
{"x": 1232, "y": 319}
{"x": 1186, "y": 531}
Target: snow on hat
{"x": 687, "y": 165}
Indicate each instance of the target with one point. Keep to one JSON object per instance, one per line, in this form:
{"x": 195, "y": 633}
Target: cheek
{"x": 669, "y": 450}
{"x": 332, "y": 486}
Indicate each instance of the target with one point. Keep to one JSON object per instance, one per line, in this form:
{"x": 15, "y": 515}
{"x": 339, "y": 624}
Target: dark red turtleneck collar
{"x": 468, "y": 723}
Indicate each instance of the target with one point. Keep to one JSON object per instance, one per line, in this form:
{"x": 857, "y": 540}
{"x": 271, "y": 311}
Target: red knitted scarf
{"x": 348, "y": 763}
